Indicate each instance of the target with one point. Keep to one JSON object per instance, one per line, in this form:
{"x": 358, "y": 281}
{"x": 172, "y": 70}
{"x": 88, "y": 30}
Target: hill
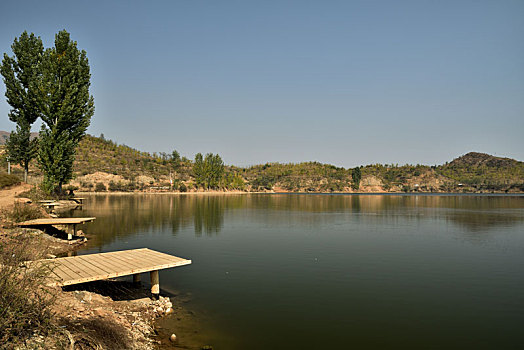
{"x": 103, "y": 164}
{"x": 4, "y": 135}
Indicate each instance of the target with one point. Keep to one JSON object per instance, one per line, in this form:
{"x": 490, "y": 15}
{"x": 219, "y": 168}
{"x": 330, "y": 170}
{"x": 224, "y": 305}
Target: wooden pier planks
{"x": 94, "y": 267}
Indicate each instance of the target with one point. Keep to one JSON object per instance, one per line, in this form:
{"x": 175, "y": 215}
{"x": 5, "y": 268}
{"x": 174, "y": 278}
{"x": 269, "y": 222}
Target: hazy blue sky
{"x": 341, "y": 82}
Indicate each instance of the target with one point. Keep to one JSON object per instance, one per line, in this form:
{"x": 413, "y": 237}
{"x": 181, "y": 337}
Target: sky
{"x": 341, "y": 82}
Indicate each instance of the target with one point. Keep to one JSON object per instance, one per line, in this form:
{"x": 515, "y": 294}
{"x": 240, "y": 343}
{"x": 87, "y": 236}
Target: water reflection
{"x": 122, "y": 215}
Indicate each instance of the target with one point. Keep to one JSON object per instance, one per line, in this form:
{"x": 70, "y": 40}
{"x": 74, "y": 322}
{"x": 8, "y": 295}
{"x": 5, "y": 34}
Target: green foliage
{"x": 175, "y": 159}
{"x": 198, "y": 170}
{"x": 56, "y": 155}
{"x": 299, "y": 177}
{"x": 214, "y": 169}
{"x": 484, "y": 172}
{"x": 117, "y": 186}
{"x": 21, "y": 148}
{"x": 21, "y": 73}
{"x": 100, "y": 187}
{"x": 356, "y": 175}
{"x": 208, "y": 171}
{"x": 66, "y": 109}
{"x": 7, "y": 180}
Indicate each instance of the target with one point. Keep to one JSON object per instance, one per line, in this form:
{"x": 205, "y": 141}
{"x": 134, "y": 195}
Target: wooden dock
{"x": 94, "y": 267}
{"x": 70, "y": 222}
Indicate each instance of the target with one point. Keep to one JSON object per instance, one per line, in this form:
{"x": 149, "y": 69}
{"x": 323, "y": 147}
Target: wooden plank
{"x": 155, "y": 256}
{"x": 146, "y": 258}
{"x": 95, "y": 263}
{"x": 111, "y": 264}
{"x": 76, "y": 272}
{"x": 90, "y": 267}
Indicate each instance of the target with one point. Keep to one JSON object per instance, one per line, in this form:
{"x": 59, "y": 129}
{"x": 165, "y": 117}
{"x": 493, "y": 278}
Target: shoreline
{"x": 126, "y": 312}
{"x": 228, "y": 193}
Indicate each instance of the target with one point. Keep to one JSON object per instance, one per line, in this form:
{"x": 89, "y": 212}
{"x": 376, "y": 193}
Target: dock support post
{"x": 136, "y": 278}
{"x": 71, "y": 232}
{"x": 155, "y": 284}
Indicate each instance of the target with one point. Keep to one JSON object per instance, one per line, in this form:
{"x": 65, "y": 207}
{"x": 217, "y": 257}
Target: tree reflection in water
{"x": 123, "y": 215}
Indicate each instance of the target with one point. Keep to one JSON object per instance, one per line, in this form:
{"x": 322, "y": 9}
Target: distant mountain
{"x": 4, "y": 135}
{"x": 479, "y": 160}
{"x": 481, "y": 170}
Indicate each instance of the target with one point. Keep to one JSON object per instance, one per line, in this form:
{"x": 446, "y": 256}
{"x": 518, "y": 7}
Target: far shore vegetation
{"x": 102, "y": 165}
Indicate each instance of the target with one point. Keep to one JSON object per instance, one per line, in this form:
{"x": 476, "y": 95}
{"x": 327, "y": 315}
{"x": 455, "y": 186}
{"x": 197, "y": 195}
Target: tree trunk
{"x": 26, "y": 171}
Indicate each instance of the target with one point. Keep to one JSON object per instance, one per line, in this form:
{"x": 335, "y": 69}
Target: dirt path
{"x": 7, "y": 196}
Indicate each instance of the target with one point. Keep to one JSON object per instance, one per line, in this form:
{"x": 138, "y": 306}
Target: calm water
{"x": 332, "y": 271}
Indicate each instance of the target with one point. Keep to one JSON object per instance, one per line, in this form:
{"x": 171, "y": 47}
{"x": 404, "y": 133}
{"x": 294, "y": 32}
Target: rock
{"x": 87, "y": 298}
{"x": 173, "y": 337}
{"x": 100, "y": 312}
{"x": 50, "y": 256}
{"x": 169, "y": 311}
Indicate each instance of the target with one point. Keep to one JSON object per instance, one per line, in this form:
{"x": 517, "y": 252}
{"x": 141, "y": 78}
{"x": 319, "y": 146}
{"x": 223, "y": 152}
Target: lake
{"x": 313, "y": 271}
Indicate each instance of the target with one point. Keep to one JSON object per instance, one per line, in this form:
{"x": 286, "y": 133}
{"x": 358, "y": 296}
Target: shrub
{"x": 100, "y": 187}
{"x": 8, "y": 180}
{"x": 86, "y": 184}
{"x": 25, "y": 301}
{"x": 182, "y": 188}
{"x": 22, "y": 212}
{"x": 116, "y": 186}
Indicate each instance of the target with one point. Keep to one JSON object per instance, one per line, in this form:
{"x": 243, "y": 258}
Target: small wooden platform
{"x": 94, "y": 267}
{"x": 71, "y": 222}
{"x": 79, "y": 200}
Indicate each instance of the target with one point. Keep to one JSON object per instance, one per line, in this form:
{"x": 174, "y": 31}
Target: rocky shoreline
{"x": 111, "y": 314}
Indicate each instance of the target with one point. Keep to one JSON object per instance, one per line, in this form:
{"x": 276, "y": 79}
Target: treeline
{"x": 136, "y": 170}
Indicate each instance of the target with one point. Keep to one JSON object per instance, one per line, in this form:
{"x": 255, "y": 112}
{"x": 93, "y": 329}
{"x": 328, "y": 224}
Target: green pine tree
{"x": 21, "y": 73}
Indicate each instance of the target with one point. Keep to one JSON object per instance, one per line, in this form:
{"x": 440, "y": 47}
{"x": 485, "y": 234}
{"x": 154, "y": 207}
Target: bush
{"x": 86, "y": 184}
{"x": 23, "y": 212}
{"x": 117, "y": 186}
{"x": 8, "y": 180}
{"x": 182, "y": 188}
{"x": 100, "y": 187}
{"x": 25, "y": 301}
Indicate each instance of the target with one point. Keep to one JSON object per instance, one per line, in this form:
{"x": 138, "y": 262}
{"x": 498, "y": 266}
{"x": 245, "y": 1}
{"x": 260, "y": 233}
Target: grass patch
{"x": 95, "y": 333}
{"x": 22, "y": 212}
{"x": 25, "y": 301}
{"x": 7, "y": 180}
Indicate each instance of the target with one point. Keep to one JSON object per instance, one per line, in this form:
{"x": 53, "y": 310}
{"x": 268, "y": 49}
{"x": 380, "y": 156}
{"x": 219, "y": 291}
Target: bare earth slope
{"x": 7, "y": 196}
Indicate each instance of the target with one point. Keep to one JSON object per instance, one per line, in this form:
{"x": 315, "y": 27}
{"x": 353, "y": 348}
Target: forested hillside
{"x": 103, "y": 165}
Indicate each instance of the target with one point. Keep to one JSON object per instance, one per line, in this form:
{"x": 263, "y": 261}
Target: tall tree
{"x": 175, "y": 160}
{"x": 66, "y": 109}
{"x": 356, "y": 176}
{"x": 21, "y": 73}
{"x": 199, "y": 170}
{"x": 214, "y": 169}
{"x": 21, "y": 148}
